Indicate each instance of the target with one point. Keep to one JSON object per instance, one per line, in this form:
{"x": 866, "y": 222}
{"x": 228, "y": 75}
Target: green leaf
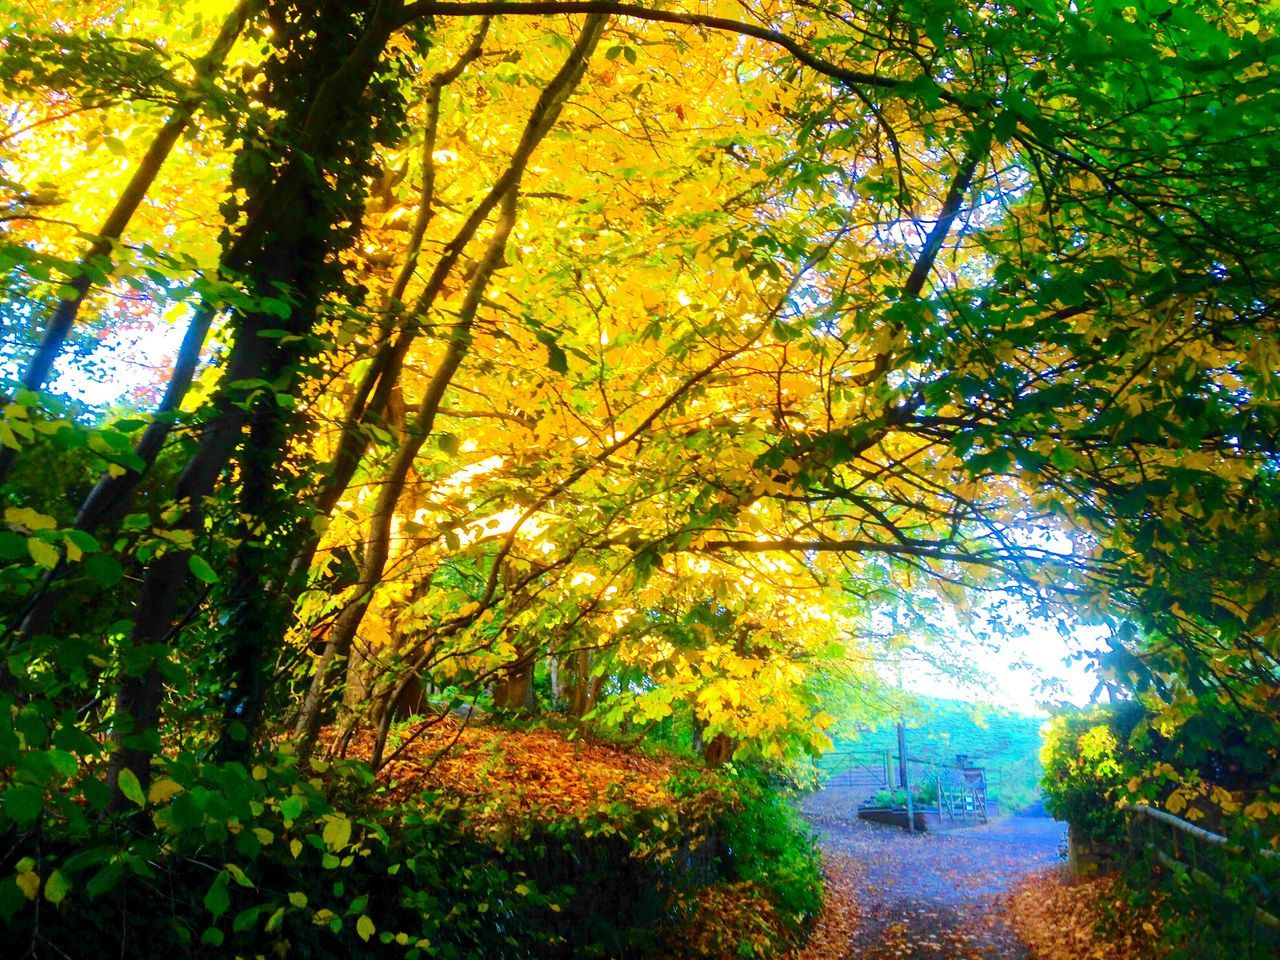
{"x": 64, "y": 763}
{"x": 1064, "y": 458}
{"x": 992, "y": 461}
{"x": 104, "y": 880}
{"x": 130, "y": 787}
{"x": 218, "y": 901}
{"x": 201, "y": 570}
{"x": 85, "y": 541}
{"x": 12, "y": 899}
{"x": 12, "y": 545}
{"x": 22, "y": 803}
{"x": 56, "y": 887}
{"x": 245, "y": 919}
{"x": 104, "y": 570}
{"x": 557, "y": 359}
{"x": 365, "y": 927}
{"x": 212, "y": 937}
{"x": 291, "y": 808}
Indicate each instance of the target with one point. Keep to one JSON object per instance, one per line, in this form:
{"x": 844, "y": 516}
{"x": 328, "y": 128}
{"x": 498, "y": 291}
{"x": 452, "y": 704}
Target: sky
{"x": 121, "y": 364}
{"x": 1026, "y": 673}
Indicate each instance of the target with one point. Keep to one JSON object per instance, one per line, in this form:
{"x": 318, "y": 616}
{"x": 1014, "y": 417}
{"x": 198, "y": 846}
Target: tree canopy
{"x": 628, "y": 360}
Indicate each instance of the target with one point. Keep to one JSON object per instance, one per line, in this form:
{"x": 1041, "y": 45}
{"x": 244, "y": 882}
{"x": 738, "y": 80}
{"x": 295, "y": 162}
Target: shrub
{"x": 924, "y": 795}
{"x": 770, "y": 871}
{"x": 312, "y": 860}
{"x": 1087, "y": 761}
{"x": 771, "y": 847}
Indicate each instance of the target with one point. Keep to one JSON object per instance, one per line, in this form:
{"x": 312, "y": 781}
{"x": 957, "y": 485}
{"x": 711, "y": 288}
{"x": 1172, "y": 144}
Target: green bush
{"x": 240, "y": 862}
{"x": 770, "y": 846}
{"x": 1087, "y": 760}
{"x": 924, "y": 795}
{"x": 1206, "y": 911}
{"x": 307, "y": 859}
{"x": 1095, "y": 758}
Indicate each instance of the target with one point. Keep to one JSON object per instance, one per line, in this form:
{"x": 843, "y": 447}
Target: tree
{"x": 645, "y": 341}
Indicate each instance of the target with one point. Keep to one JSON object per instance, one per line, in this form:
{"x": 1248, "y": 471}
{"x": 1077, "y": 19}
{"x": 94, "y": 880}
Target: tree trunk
{"x": 560, "y": 687}
{"x": 513, "y": 690}
{"x": 582, "y": 690}
{"x": 110, "y": 497}
{"x": 718, "y": 750}
{"x": 373, "y": 393}
{"x": 284, "y": 244}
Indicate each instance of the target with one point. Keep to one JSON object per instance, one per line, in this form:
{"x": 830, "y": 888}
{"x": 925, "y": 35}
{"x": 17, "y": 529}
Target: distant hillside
{"x": 1006, "y": 743}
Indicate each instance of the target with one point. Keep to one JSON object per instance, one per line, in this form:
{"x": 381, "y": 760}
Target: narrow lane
{"x": 935, "y": 896}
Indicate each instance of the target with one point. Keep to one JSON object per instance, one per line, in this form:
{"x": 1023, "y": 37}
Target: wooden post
{"x": 902, "y": 772}
{"x": 902, "y": 752}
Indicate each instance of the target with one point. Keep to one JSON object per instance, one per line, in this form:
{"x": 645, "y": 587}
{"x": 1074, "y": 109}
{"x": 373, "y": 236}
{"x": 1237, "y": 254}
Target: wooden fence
{"x": 961, "y": 789}
{"x": 863, "y": 772}
{"x": 1210, "y": 859}
{"x": 857, "y": 775}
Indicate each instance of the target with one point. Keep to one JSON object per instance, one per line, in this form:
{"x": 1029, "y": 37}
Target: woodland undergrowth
{"x": 474, "y": 841}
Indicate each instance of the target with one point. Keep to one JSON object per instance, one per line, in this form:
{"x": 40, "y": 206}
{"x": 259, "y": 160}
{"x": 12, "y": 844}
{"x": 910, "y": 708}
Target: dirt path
{"x": 933, "y": 896}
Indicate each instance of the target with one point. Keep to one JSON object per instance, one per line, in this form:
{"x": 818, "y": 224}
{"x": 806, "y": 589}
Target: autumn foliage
{"x": 1063, "y": 919}
{"x": 836, "y": 927}
{"x": 513, "y": 774}
{"x": 517, "y": 786}
{"x": 634, "y": 365}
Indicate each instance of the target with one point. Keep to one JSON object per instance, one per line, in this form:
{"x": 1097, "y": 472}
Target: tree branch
{"x": 856, "y": 78}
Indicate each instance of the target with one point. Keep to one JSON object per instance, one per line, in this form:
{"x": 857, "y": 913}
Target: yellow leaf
{"x": 29, "y": 882}
{"x": 42, "y": 553}
{"x": 162, "y": 790}
{"x": 31, "y": 519}
{"x": 337, "y": 832}
{"x": 238, "y": 875}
